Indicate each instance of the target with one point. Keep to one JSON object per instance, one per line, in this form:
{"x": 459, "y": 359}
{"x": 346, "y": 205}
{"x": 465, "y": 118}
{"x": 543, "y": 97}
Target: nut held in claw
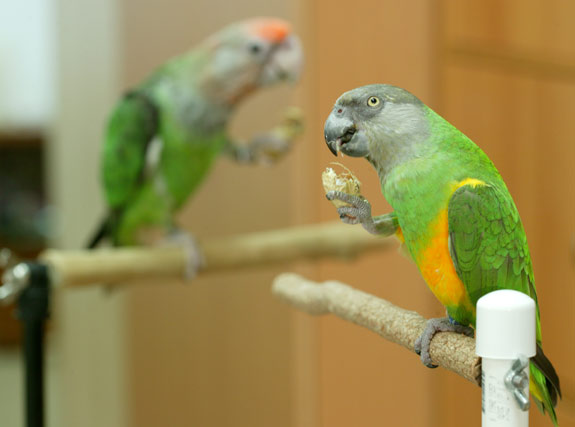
{"x": 345, "y": 182}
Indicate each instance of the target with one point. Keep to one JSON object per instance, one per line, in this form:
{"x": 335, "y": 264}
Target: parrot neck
{"x": 222, "y": 83}
{"x": 211, "y": 81}
{"x": 397, "y": 150}
{"x": 225, "y": 91}
{"x": 429, "y": 139}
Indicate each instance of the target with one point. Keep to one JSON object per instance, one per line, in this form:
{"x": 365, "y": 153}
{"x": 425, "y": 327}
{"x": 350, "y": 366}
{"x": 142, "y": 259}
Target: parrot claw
{"x": 429, "y": 364}
{"x": 358, "y": 211}
{"x": 359, "y": 208}
{"x": 194, "y": 256}
{"x": 433, "y": 326}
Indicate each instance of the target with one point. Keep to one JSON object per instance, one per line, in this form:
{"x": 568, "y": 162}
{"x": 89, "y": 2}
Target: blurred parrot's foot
{"x": 433, "y": 326}
{"x": 358, "y": 211}
{"x": 194, "y": 255}
{"x": 269, "y": 147}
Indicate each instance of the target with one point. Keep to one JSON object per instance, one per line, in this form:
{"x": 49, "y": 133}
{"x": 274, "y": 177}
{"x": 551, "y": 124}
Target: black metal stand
{"x": 33, "y": 311}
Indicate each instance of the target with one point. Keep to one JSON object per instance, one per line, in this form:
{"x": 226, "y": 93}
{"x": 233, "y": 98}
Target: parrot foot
{"x": 269, "y": 147}
{"x": 194, "y": 255}
{"x": 359, "y": 211}
{"x": 433, "y": 326}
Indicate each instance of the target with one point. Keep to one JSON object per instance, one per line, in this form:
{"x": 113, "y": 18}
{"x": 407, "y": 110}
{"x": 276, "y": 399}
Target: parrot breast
{"x": 438, "y": 271}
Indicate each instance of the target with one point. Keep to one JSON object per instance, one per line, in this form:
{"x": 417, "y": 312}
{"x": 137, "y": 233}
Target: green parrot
{"x": 452, "y": 211}
{"x": 164, "y": 135}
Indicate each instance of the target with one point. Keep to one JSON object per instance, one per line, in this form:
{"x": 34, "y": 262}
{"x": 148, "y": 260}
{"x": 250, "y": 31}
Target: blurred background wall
{"x": 221, "y": 351}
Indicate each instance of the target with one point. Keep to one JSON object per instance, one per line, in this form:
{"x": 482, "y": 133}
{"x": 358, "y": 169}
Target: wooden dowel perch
{"x": 122, "y": 265}
{"x": 450, "y": 350}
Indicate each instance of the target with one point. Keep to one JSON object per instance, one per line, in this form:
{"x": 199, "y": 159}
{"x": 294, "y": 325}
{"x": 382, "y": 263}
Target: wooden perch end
{"x": 449, "y": 350}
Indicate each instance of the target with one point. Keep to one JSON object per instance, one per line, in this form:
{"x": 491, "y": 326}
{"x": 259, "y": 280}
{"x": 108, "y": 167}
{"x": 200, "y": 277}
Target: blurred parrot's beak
{"x": 285, "y": 62}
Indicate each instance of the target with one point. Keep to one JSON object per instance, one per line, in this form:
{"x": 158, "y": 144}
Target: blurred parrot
{"x": 164, "y": 135}
{"x": 452, "y": 211}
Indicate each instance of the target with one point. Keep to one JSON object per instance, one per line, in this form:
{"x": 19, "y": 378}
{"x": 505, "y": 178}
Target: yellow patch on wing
{"x": 534, "y": 389}
{"x": 399, "y": 235}
{"x": 435, "y": 261}
{"x": 468, "y": 181}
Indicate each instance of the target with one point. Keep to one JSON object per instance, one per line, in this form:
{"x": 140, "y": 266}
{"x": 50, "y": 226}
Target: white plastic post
{"x": 505, "y": 339}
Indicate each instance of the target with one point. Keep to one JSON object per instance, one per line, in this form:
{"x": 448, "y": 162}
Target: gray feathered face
{"x": 380, "y": 121}
{"x": 254, "y": 53}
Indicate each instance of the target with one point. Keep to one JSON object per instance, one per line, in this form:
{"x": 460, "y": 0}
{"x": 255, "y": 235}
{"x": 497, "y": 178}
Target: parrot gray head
{"x": 383, "y": 123}
{"x": 250, "y": 54}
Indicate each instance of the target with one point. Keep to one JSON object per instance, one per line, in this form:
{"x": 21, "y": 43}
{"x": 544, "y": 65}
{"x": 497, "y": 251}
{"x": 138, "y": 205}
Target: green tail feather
{"x": 546, "y": 384}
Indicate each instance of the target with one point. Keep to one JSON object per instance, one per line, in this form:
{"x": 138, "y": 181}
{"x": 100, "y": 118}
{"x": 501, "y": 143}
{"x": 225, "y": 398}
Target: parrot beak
{"x": 342, "y": 133}
{"x": 332, "y": 147}
{"x": 338, "y": 130}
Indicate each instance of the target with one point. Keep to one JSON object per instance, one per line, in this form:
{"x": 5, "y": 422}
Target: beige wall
{"x": 86, "y": 338}
{"x": 508, "y": 81}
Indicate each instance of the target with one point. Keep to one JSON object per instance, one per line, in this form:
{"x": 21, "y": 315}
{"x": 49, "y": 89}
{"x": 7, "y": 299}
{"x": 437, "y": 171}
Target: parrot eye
{"x": 373, "y": 101}
{"x": 255, "y": 48}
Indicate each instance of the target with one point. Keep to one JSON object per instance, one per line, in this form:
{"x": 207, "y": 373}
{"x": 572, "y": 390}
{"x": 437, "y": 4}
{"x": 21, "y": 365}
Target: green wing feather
{"x": 489, "y": 250}
{"x": 131, "y": 128}
{"x": 487, "y": 242}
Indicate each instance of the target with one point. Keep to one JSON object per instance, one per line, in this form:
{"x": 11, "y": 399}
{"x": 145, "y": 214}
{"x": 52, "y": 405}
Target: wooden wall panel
{"x": 543, "y": 27}
{"x": 363, "y": 379}
{"x": 514, "y": 119}
{"x": 504, "y": 78}
{"x": 509, "y": 83}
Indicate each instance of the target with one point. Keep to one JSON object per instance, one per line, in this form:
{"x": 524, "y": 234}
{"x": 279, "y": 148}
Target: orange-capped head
{"x": 251, "y": 54}
{"x": 273, "y": 30}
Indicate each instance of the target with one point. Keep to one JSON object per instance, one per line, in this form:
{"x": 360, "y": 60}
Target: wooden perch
{"x": 450, "y": 350}
{"x": 121, "y": 265}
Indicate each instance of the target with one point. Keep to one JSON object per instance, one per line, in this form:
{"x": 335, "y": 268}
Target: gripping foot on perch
{"x": 195, "y": 259}
{"x": 433, "y": 326}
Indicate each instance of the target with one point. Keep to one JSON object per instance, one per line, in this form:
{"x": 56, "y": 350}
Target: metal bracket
{"x": 14, "y": 281}
{"x": 517, "y": 381}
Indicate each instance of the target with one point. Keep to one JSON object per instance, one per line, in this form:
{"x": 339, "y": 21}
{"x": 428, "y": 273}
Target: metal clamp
{"x": 14, "y": 281}
{"x": 517, "y": 381}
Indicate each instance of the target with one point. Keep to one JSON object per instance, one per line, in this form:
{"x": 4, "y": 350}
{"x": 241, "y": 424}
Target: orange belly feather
{"x": 438, "y": 270}
{"x": 436, "y": 265}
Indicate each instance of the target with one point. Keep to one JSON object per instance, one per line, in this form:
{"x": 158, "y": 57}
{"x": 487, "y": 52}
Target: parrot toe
{"x": 194, "y": 254}
{"x": 352, "y": 199}
{"x": 349, "y": 215}
{"x": 433, "y": 326}
{"x": 358, "y": 209}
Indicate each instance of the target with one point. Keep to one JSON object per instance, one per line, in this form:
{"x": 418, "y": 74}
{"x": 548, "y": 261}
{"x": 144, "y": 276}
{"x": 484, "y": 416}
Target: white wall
{"x": 26, "y": 63}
